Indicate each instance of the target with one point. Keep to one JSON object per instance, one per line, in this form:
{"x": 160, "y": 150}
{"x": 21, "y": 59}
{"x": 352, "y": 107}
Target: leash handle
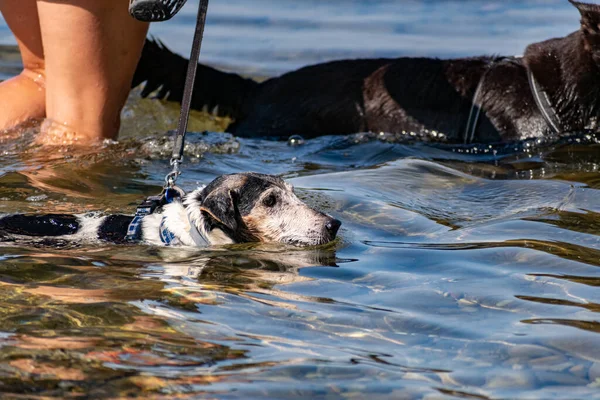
{"x": 154, "y": 10}
{"x": 186, "y": 102}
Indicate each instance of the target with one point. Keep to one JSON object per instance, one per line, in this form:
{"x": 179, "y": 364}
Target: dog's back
{"x": 39, "y": 225}
{"x": 340, "y": 97}
{"x": 377, "y": 95}
{"x": 66, "y": 226}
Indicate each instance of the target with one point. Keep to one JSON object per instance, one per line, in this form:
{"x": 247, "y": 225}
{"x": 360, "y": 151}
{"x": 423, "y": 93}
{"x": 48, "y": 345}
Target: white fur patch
{"x": 89, "y": 225}
{"x": 176, "y": 221}
{"x": 178, "y": 218}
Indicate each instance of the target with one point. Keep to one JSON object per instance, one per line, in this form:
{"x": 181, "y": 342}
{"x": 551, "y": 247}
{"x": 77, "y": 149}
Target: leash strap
{"x": 543, "y": 103}
{"x": 475, "y": 112}
{"x": 134, "y": 230}
{"x": 160, "y": 10}
{"x": 186, "y": 102}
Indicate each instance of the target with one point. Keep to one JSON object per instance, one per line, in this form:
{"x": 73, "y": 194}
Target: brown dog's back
{"x": 405, "y": 95}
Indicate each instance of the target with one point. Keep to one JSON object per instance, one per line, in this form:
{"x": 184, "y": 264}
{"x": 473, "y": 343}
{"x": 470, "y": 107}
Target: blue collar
{"x": 134, "y": 230}
{"x": 166, "y": 236}
{"x": 169, "y": 238}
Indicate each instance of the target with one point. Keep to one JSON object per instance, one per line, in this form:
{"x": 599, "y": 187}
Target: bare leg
{"x": 23, "y": 97}
{"x": 91, "y": 50}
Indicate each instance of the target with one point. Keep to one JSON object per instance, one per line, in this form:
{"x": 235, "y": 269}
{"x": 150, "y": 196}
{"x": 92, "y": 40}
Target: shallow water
{"x": 456, "y": 275}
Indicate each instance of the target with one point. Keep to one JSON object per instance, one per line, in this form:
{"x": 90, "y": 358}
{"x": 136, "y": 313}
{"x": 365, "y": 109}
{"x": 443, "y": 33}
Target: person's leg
{"x": 91, "y": 51}
{"x": 23, "y": 97}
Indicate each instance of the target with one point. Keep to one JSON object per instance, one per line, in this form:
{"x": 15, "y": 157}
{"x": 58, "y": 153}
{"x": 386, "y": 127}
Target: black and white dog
{"x": 237, "y": 208}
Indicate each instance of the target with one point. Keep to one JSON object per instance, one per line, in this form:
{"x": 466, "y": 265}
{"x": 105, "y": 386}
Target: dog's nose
{"x": 332, "y": 226}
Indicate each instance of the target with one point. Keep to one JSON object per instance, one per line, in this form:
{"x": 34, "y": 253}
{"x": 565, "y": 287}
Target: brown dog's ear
{"x": 585, "y": 7}
{"x": 220, "y": 207}
{"x": 590, "y": 24}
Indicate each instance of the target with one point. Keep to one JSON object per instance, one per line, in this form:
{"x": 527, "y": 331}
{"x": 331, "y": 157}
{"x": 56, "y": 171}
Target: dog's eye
{"x": 270, "y": 200}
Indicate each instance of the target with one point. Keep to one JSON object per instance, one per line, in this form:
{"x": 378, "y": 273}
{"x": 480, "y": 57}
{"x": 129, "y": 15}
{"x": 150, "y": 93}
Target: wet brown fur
{"x": 403, "y": 94}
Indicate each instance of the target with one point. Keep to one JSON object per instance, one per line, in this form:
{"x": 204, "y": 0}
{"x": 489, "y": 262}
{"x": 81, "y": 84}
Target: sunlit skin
{"x": 79, "y": 57}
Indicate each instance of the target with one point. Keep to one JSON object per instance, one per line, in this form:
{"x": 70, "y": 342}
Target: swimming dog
{"x": 553, "y": 88}
{"x": 237, "y": 208}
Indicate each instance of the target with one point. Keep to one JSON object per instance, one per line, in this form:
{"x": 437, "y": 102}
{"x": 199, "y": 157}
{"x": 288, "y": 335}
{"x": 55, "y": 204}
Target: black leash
{"x": 178, "y": 145}
{"x": 161, "y": 10}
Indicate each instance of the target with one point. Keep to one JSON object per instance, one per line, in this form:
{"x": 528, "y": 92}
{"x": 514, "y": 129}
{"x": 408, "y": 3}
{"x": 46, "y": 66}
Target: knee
{"x": 36, "y": 74}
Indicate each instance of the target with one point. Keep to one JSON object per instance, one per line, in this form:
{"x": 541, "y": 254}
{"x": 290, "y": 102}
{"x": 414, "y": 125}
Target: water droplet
{"x": 38, "y": 198}
{"x": 296, "y": 140}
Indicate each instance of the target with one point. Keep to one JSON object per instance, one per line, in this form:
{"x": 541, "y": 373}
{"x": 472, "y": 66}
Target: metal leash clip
{"x": 172, "y": 176}
{"x": 171, "y": 191}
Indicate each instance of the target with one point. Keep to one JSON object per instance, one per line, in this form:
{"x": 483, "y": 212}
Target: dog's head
{"x": 253, "y": 207}
{"x": 590, "y": 27}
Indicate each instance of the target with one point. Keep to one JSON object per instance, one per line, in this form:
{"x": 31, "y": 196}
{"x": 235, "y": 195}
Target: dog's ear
{"x": 220, "y": 207}
{"x": 590, "y": 24}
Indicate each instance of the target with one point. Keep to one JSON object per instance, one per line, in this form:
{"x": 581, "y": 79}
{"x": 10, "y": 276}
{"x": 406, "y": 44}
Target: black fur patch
{"x": 253, "y": 188}
{"x": 40, "y": 225}
{"x": 164, "y": 71}
{"x": 114, "y": 228}
{"x": 248, "y": 187}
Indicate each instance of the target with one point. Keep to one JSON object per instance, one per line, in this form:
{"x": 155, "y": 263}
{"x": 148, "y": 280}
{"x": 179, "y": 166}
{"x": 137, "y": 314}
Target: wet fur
{"x": 231, "y": 209}
{"x": 403, "y": 94}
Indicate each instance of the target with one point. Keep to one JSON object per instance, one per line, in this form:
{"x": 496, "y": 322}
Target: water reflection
{"x": 108, "y": 316}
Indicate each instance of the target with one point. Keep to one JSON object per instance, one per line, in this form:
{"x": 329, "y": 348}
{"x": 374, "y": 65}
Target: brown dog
{"x": 553, "y": 88}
